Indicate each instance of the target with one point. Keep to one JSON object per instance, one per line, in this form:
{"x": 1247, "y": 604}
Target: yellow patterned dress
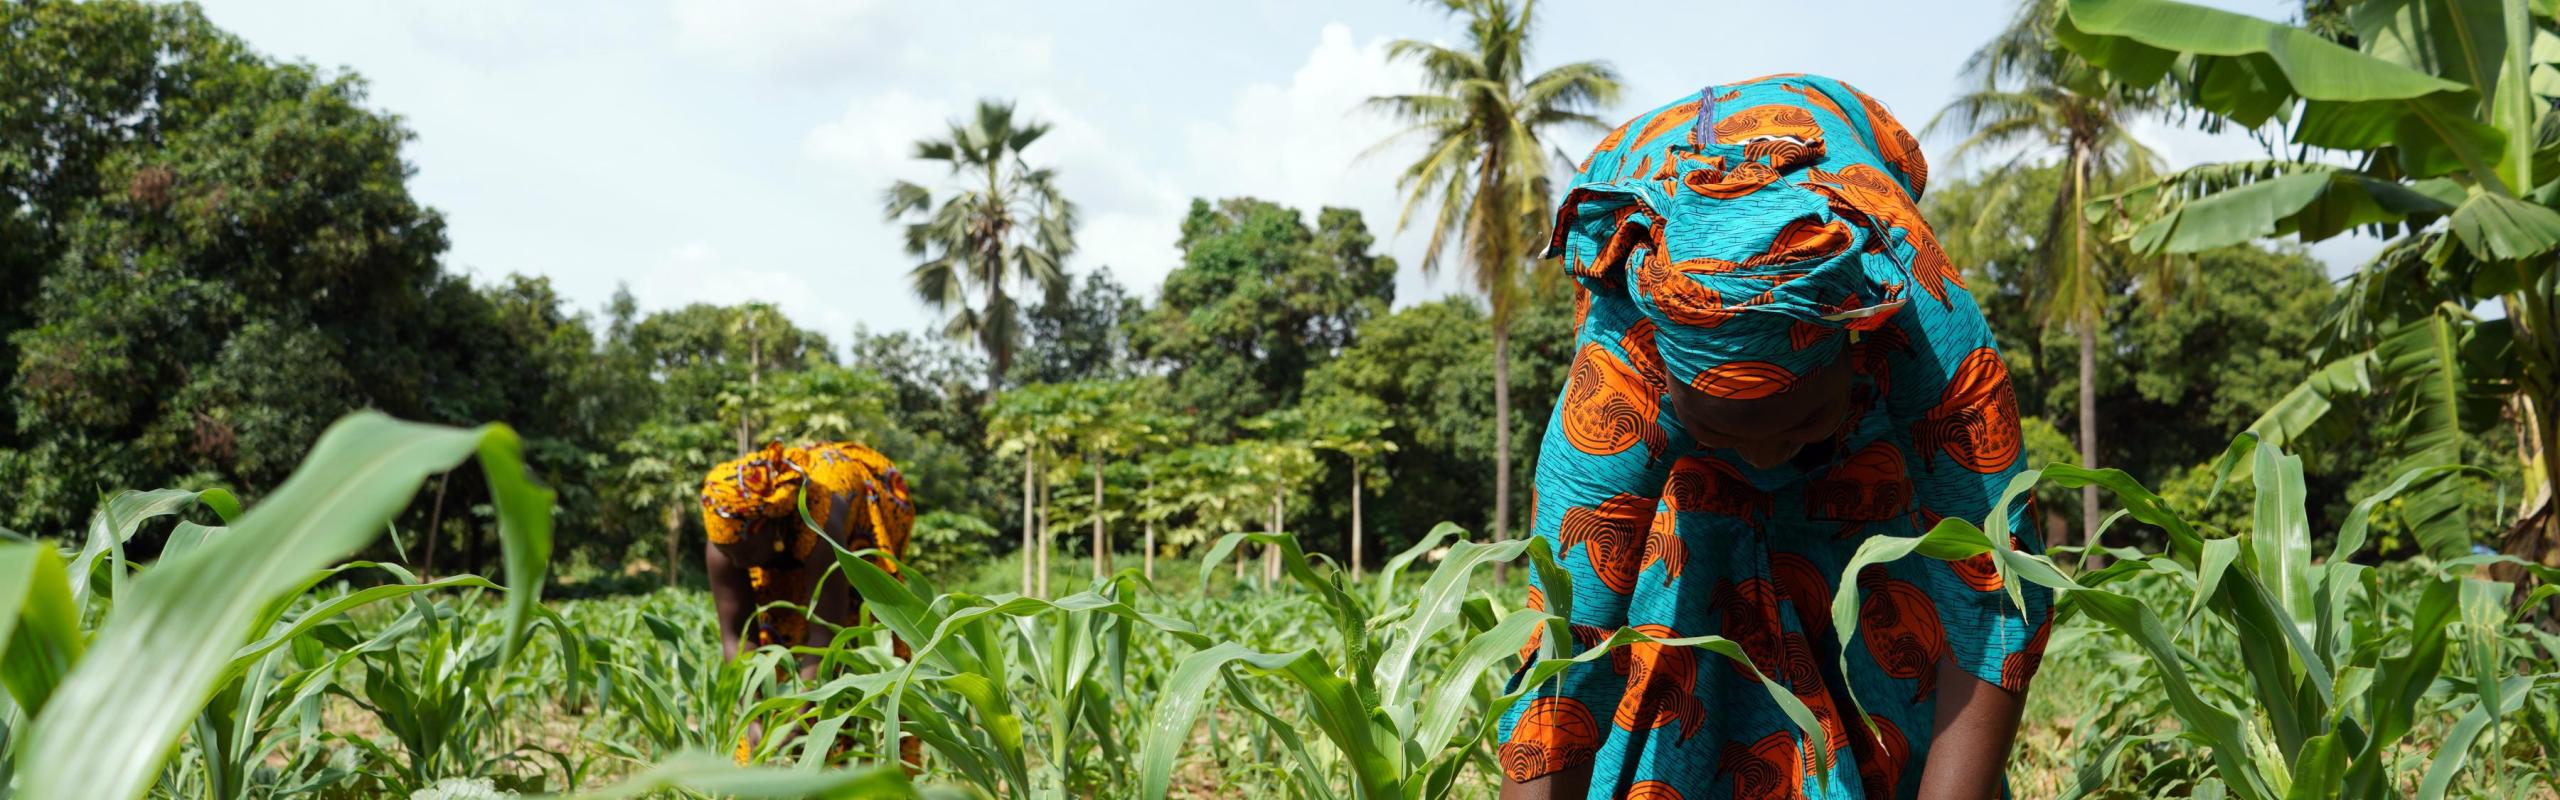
{"x": 751, "y": 508}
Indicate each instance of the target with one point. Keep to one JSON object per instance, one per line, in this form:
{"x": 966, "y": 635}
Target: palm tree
{"x": 2038, "y": 101}
{"x": 1487, "y": 163}
{"x": 1000, "y": 223}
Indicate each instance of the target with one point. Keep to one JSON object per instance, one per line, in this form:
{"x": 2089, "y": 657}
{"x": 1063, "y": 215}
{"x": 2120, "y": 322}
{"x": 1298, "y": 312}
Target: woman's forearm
{"x": 730, "y": 597}
{"x": 1976, "y": 722}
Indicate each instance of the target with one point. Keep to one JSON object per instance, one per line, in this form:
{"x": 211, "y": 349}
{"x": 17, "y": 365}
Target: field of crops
{"x": 240, "y": 664}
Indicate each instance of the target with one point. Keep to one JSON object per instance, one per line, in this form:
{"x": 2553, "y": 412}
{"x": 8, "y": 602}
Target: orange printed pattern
{"x": 1555, "y": 734}
{"x": 1611, "y": 536}
{"x": 1976, "y": 419}
{"x": 1662, "y": 684}
{"x": 1608, "y": 407}
{"x": 1899, "y": 625}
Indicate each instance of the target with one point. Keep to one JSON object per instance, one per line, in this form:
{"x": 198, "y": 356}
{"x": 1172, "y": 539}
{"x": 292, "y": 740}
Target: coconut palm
{"x": 1485, "y": 125}
{"x": 1001, "y": 223}
{"x": 2036, "y": 102}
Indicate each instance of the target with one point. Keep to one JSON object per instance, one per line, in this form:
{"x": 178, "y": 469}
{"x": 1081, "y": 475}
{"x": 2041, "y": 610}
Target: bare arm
{"x": 1976, "y": 723}
{"x": 834, "y": 606}
{"x": 1571, "y": 783}
{"x": 731, "y": 596}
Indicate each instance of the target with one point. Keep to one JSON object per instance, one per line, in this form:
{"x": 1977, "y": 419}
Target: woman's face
{"x": 1768, "y": 431}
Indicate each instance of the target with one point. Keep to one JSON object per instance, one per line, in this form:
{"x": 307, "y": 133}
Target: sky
{"x": 731, "y": 150}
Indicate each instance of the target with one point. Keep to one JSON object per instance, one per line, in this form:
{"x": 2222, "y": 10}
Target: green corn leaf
{"x": 40, "y": 637}
{"x": 1384, "y": 591}
{"x": 123, "y": 516}
{"x": 2218, "y": 555}
{"x": 155, "y": 660}
{"x": 1447, "y": 698}
{"x": 1334, "y": 707}
{"x": 2454, "y": 753}
{"x": 2281, "y": 537}
{"x": 2400, "y": 681}
{"x": 1434, "y": 609}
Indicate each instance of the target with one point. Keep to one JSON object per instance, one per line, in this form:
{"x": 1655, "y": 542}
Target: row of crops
{"x": 241, "y": 662}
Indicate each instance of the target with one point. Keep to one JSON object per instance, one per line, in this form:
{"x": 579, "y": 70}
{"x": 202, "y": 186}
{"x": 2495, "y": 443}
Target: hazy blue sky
{"x": 728, "y": 150}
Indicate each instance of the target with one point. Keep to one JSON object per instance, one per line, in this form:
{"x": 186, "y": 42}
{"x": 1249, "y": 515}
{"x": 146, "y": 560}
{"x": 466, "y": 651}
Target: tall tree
{"x": 1259, "y": 300}
{"x": 1001, "y": 223}
{"x": 1079, "y": 335}
{"x": 2039, "y": 102}
{"x": 1487, "y": 164}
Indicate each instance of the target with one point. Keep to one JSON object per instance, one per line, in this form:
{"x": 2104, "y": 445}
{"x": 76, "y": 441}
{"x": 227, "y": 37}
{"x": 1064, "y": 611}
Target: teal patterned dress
{"x": 1735, "y": 240}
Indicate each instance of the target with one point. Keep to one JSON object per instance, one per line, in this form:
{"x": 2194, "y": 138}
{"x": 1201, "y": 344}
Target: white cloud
{"x": 781, "y": 35}
{"x": 876, "y": 135}
{"x": 1306, "y": 144}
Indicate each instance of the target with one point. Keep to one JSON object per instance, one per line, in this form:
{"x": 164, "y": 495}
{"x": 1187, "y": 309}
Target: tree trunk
{"x": 1501, "y": 443}
{"x": 2081, "y": 164}
{"x": 1271, "y": 552}
{"x": 1048, "y": 541}
{"x": 2088, "y": 430}
{"x": 1149, "y": 556}
{"x": 1101, "y": 539}
{"x": 1030, "y": 541}
{"x": 675, "y": 540}
{"x": 1355, "y": 521}
{"x": 999, "y": 353}
{"x": 435, "y": 522}
{"x": 755, "y": 374}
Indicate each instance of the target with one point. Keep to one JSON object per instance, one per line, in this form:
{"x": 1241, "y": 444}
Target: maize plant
{"x": 1400, "y": 726}
{"x": 2332, "y": 671}
{"x": 220, "y": 644}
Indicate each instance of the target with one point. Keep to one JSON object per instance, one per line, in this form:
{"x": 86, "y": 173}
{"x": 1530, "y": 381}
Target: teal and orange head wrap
{"x": 1761, "y": 226}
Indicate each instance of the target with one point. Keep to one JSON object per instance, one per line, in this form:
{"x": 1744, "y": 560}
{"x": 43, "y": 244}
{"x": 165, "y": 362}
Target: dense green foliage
{"x": 303, "y": 683}
{"x": 213, "y": 255}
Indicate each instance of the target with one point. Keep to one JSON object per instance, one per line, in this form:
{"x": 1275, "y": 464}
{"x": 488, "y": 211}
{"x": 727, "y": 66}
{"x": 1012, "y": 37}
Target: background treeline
{"x": 206, "y": 255}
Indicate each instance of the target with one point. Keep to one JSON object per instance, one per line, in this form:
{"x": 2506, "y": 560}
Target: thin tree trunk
{"x": 1356, "y": 534}
{"x": 1271, "y": 552}
{"x": 2088, "y": 431}
{"x": 1048, "y": 541}
{"x": 1502, "y": 443}
{"x": 2080, "y": 166}
{"x": 675, "y": 539}
{"x": 1149, "y": 557}
{"x": 435, "y": 522}
{"x": 1101, "y": 539}
{"x": 1030, "y": 542}
{"x": 999, "y": 353}
{"x": 755, "y": 375}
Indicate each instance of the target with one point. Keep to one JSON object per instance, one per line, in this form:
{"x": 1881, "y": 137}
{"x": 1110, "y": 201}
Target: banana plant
{"x": 2334, "y": 672}
{"x": 2443, "y": 113}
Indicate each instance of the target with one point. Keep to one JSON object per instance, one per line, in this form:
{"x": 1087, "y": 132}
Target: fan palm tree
{"x": 1487, "y": 165}
{"x": 2036, "y": 101}
{"x": 1001, "y": 223}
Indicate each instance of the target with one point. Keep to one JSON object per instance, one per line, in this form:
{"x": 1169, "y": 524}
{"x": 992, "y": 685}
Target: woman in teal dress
{"x": 1775, "y": 363}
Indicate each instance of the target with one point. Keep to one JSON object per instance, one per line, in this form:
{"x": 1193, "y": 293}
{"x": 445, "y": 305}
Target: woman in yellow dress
{"x": 762, "y": 552}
